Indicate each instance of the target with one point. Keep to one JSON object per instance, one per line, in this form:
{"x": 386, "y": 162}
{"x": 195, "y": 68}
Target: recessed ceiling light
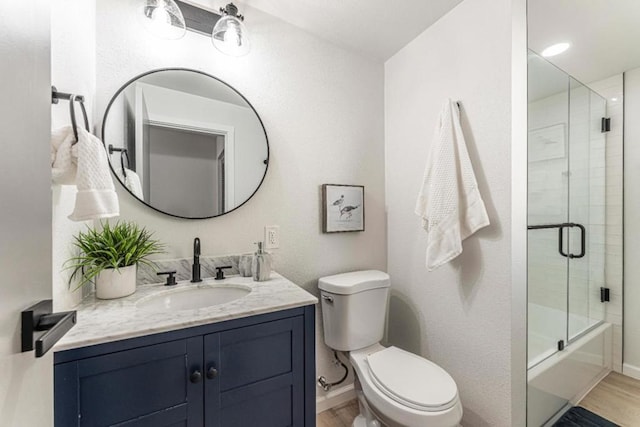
{"x": 555, "y": 49}
{"x": 614, "y": 99}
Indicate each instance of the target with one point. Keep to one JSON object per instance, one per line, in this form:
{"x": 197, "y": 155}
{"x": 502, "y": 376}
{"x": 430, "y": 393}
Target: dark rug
{"x": 580, "y": 417}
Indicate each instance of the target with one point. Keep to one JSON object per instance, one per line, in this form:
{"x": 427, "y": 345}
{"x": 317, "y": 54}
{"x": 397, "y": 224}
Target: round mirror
{"x": 185, "y": 143}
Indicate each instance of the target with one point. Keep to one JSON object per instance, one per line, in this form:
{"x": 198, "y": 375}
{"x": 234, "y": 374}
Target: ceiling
{"x": 545, "y": 79}
{"x": 376, "y": 28}
{"x": 604, "y": 35}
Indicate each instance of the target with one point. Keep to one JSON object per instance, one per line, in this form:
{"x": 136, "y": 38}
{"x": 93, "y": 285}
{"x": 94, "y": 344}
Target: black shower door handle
{"x": 561, "y": 227}
{"x": 583, "y": 240}
{"x": 561, "y": 240}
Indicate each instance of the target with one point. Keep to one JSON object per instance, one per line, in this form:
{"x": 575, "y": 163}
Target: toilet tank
{"x": 354, "y": 308}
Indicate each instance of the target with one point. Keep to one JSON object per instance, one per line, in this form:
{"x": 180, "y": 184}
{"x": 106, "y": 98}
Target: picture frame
{"x": 342, "y": 208}
{"x": 548, "y": 143}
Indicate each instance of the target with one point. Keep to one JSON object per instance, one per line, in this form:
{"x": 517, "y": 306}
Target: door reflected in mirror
{"x": 185, "y": 143}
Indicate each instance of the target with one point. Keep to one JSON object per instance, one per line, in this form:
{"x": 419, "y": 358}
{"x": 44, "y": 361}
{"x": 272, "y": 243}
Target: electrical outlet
{"x": 272, "y": 237}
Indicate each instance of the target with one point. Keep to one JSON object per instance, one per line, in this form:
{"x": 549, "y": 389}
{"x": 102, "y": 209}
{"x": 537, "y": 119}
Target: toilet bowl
{"x": 395, "y": 388}
{"x": 403, "y": 389}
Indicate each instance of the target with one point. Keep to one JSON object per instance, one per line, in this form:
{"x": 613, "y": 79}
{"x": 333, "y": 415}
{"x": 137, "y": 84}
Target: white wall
{"x": 26, "y": 383}
{"x": 322, "y": 108}
{"x": 519, "y": 83}
{"x": 72, "y": 71}
{"x": 460, "y": 315}
{"x": 631, "y": 225}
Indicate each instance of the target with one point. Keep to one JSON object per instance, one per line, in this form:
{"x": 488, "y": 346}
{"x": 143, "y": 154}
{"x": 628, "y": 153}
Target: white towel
{"x": 85, "y": 165}
{"x": 132, "y": 182}
{"x": 63, "y": 166}
{"x": 449, "y": 202}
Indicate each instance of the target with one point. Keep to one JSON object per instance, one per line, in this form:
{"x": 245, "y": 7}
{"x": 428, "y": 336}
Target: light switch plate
{"x": 272, "y": 237}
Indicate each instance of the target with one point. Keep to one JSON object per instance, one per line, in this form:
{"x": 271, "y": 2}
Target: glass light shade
{"x": 230, "y": 36}
{"x": 162, "y": 18}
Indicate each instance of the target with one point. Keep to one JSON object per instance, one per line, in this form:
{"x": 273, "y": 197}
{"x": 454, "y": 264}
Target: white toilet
{"x": 394, "y": 387}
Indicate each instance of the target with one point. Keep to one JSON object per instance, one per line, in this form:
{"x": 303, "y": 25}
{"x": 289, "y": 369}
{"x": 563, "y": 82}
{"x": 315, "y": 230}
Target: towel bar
{"x": 123, "y": 153}
{"x": 57, "y": 96}
{"x": 39, "y": 318}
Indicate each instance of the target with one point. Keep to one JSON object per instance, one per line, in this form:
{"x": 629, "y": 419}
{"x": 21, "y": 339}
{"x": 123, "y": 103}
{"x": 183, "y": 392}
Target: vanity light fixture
{"x": 229, "y": 34}
{"x": 162, "y": 18}
{"x": 170, "y": 19}
{"x": 555, "y": 49}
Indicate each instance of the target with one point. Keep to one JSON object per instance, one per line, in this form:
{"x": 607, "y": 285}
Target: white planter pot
{"x": 112, "y": 283}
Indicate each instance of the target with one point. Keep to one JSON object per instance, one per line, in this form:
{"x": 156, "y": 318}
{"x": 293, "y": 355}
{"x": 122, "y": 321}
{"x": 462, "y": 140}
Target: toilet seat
{"x": 397, "y": 407}
{"x": 412, "y": 380}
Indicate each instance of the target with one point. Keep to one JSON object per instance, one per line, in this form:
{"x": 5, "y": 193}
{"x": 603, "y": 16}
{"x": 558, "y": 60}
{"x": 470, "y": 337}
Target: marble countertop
{"x": 101, "y": 321}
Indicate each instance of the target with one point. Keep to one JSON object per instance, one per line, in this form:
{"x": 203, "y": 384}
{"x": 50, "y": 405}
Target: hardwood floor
{"x": 616, "y": 398}
{"x": 340, "y": 416}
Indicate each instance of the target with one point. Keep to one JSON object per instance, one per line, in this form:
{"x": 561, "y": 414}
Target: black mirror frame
{"x": 123, "y": 87}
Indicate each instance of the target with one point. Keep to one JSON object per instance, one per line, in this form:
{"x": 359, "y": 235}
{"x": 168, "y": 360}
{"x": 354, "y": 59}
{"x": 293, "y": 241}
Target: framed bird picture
{"x": 342, "y": 208}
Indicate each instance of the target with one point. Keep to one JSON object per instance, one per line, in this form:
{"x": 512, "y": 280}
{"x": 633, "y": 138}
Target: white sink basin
{"x": 194, "y": 298}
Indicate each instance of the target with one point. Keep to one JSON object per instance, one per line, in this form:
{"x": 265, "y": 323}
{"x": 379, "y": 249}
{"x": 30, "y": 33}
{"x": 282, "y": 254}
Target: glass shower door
{"x": 585, "y": 240}
{"x": 548, "y": 166}
{"x": 566, "y": 237}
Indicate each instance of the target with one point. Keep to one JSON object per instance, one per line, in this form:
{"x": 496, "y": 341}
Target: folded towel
{"x": 85, "y": 165}
{"x": 449, "y": 202}
{"x": 132, "y": 182}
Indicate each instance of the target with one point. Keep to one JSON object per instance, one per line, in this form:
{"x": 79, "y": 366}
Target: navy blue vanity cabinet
{"x": 259, "y": 381}
{"x": 145, "y": 386}
{"x": 254, "y": 371}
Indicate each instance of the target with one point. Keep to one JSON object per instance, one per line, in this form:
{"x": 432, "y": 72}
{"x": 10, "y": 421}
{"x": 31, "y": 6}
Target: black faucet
{"x": 220, "y": 273}
{"x": 195, "y": 268}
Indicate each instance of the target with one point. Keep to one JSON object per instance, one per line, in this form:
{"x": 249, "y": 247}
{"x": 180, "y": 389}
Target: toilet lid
{"x": 412, "y": 380}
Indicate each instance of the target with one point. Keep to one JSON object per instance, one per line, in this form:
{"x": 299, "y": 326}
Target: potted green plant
{"x": 109, "y": 257}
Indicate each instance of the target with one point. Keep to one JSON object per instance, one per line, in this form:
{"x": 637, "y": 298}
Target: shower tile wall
{"x": 612, "y": 90}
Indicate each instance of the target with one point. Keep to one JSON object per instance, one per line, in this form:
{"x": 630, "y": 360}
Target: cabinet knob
{"x": 195, "y": 377}
{"x": 212, "y": 373}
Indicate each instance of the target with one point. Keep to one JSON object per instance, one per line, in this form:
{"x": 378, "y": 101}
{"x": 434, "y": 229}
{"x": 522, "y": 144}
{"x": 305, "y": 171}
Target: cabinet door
{"x": 147, "y": 386}
{"x": 260, "y": 378}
